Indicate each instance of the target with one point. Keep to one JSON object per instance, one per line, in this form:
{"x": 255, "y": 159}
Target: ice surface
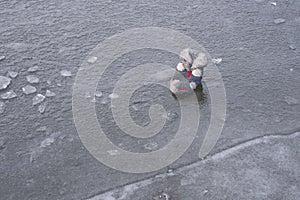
{"x": 2, "y": 107}
{"x": 217, "y": 60}
{"x": 2, "y": 58}
{"x": 50, "y": 93}
{"x": 28, "y": 89}
{"x": 65, "y": 73}
{"x": 290, "y": 100}
{"x": 279, "y": 21}
{"x": 42, "y": 108}
{"x": 151, "y": 146}
{"x": 39, "y": 98}
{"x": 9, "y": 95}
{"x": 33, "y": 69}
{"x": 32, "y": 79}
{"x": 12, "y": 74}
{"x": 92, "y": 60}
{"x": 113, "y": 96}
{"x": 4, "y": 82}
{"x": 98, "y": 94}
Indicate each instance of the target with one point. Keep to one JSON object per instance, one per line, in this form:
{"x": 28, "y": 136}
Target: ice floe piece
{"x": 32, "y": 79}
{"x": 28, "y": 89}
{"x": 4, "y": 82}
{"x": 9, "y": 95}
{"x": 39, "y": 98}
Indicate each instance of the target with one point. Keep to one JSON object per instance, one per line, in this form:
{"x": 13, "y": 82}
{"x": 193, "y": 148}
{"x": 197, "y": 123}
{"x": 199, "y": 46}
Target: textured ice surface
{"x": 12, "y": 74}
{"x": 113, "y": 96}
{"x": 32, "y": 79}
{"x": 92, "y": 60}
{"x": 49, "y": 93}
{"x": 4, "y": 82}
{"x": 29, "y": 89}
{"x": 279, "y": 21}
{"x": 42, "y": 108}
{"x": 39, "y": 98}
{"x": 9, "y": 95}
{"x": 33, "y": 69}
{"x": 2, "y": 107}
{"x": 65, "y": 73}
{"x": 290, "y": 100}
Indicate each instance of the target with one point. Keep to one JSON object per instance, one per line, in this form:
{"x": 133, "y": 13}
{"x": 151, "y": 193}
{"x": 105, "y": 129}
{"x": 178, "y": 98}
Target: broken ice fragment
{"x": 273, "y": 3}
{"x": 2, "y": 107}
{"x": 87, "y": 95}
{"x": 2, "y": 58}
{"x": 50, "y": 93}
{"x": 113, "y": 152}
{"x": 290, "y": 100}
{"x": 65, "y": 73}
{"x": 33, "y": 69}
{"x": 42, "y": 108}
{"x": 151, "y": 146}
{"x": 113, "y": 96}
{"x": 217, "y": 60}
{"x": 28, "y": 89}
{"x": 32, "y": 79}
{"x": 279, "y": 21}
{"x": 92, "y": 60}
{"x": 9, "y": 95}
{"x": 39, "y": 98}
{"x": 12, "y": 74}
{"x": 98, "y": 94}
{"x": 4, "y": 82}
{"x": 47, "y": 142}
{"x": 41, "y": 129}
{"x": 292, "y": 47}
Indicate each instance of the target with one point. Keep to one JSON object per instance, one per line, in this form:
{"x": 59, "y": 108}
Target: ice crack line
{"x": 123, "y": 189}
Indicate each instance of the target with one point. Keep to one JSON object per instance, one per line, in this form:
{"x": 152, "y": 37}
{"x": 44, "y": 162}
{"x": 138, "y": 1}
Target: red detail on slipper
{"x": 182, "y": 88}
{"x": 189, "y": 74}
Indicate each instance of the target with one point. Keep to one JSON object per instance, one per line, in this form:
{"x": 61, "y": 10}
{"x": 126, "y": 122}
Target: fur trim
{"x": 180, "y": 67}
{"x": 186, "y": 54}
{"x": 200, "y": 61}
{"x": 197, "y": 72}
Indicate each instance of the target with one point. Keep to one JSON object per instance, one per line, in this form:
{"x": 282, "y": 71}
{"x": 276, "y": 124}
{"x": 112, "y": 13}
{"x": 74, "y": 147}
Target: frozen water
{"x": 33, "y": 69}
{"x": 98, "y": 94}
{"x": 273, "y": 3}
{"x": 47, "y": 142}
{"x": 2, "y": 58}
{"x": 28, "y": 89}
{"x": 42, "y": 108}
{"x": 151, "y": 146}
{"x": 172, "y": 116}
{"x": 113, "y": 96}
{"x": 41, "y": 129}
{"x": 92, "y": 59}
{"x": 87, "y": 95}
{"x": 50, "y": 93}
{"x": 2, "y": 107}
{"x": 65, "y": 73}
{"x": 217, "y": 60}
{"x": 39, "y": 98}
{"x": 9, "y": 95}
{"x": 113, "y": 152}
{"x": 32, "y": 79}
{"x": 279, "y": 21}
{"x": 4, "y": 82}
{"x": 12, "y": 74}
{"x": 292, "y": 47}
{"x": 290, "y": 100}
